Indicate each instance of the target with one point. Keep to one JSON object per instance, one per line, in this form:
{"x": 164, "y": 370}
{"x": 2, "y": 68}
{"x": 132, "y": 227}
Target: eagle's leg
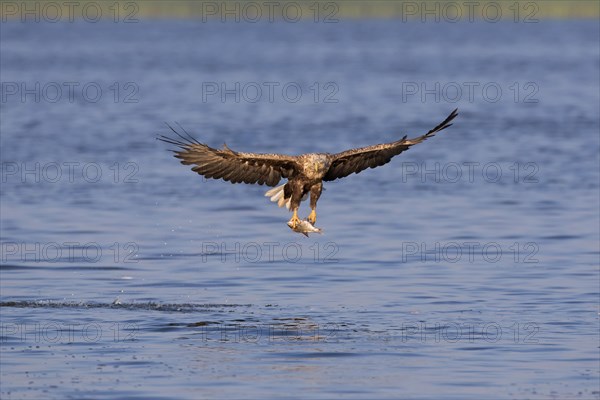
{"x": 315, "y": 193}
{"x": 295, "y": 190}
{"x": 312, "y": 217}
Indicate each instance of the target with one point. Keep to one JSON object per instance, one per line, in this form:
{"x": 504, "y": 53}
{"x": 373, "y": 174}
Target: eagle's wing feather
{"x": 357, "y": 160}
{"x": 232, "y": 166}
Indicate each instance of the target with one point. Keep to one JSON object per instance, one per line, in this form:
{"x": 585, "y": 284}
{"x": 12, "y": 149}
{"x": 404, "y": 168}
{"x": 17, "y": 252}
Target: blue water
{"x": 467, "y": 268}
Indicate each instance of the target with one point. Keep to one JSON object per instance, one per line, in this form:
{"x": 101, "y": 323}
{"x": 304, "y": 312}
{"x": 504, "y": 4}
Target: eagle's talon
{"x": 312, "y": 217}
{"x": 295, "y": 221}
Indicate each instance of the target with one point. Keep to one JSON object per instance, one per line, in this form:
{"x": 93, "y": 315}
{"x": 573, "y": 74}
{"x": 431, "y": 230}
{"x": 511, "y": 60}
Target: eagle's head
{"x": 316, "y": 165}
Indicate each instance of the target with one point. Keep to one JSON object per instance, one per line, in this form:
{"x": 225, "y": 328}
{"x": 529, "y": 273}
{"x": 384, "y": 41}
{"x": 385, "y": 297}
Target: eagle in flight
{"x": 304, "y": 173}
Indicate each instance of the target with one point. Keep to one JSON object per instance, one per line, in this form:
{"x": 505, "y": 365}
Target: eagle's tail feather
{"x": 283, "y": 201}
{"x": 277, "y": 195}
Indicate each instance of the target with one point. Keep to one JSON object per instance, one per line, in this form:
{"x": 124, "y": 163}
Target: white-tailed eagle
{"x": 304, "y": 173}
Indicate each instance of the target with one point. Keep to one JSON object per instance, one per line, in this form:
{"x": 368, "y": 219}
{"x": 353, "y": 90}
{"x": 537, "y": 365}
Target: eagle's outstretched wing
{"x": 357, "y": 160}
{"x": 232, "y": 166}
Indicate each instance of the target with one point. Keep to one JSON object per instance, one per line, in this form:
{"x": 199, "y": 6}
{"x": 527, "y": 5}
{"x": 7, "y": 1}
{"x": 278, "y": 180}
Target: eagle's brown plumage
{"x": 232, "y": 166}
{"x": 305, "y": 173}
{"x": 356, "y": 160}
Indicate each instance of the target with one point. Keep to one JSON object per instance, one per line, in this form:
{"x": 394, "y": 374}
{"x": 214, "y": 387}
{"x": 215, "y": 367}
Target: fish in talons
{"x": 304, "y": 227}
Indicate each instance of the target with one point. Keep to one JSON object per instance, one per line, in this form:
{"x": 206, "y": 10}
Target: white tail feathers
{"x": 277, "y": 195}
{"x": 274, "y": 191}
